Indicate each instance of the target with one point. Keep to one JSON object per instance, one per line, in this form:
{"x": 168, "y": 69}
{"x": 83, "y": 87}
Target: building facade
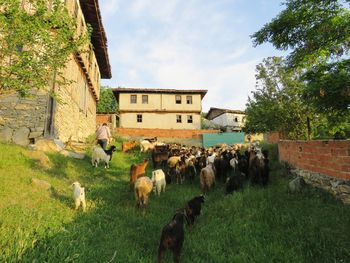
{"x": 72, "y": 114}
{"x": 159, "y": 108}
{"x": 230, "y": 120}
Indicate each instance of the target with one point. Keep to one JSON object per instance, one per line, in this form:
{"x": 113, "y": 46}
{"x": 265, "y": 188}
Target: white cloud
{"x": 190, "y": 44}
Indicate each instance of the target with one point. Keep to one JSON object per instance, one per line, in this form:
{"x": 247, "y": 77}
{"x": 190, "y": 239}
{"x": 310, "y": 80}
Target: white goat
{"x": 98, "y": 154}
{"x": 158, "y": 179}
{"x": 234, "y": 163}
{"x": 146, "y": 145}
{"x": 211, "y": 158}
{"x": 79, "y": 195}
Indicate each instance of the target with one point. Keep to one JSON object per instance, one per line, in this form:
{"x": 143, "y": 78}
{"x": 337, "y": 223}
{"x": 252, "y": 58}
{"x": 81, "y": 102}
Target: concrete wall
{"x": 331, "y": 158}
{"x": 159, "y": 121}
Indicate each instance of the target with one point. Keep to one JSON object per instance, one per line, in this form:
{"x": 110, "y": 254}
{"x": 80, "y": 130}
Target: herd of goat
{"x": 178, "y": 163}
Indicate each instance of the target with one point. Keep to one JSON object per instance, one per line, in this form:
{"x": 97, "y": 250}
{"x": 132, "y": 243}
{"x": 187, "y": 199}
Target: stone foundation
{"x": 337, "y": 187}
{"x": 22, "y": 119}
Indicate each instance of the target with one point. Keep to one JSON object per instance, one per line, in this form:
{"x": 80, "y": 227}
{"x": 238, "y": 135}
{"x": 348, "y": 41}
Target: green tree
{"x": 36, "y": 40}
{"x": 107, "y": 102}
{"x": 318, "y": 34}
{"x": 277, "y": 105}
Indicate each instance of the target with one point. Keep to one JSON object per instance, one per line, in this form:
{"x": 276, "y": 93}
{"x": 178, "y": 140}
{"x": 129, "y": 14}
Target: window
{"x": 133, "y": 99}
{"x": 189, "y": 119}
{"x": 178, "y": 99}
{"x": 144, "y": 99}
{"x": 178, "y": 119}
{"x": 236, "y": 119}
{"x": 189, "y": 99}
{"x": 139, "y": 117}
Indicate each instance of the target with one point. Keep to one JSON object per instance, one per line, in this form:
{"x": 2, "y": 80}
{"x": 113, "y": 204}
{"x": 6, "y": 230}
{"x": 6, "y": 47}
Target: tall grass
{"x": 253, "y": 225}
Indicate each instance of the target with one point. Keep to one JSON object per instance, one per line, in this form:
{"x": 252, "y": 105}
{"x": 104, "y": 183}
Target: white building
{"x": 230, "y": 120}
{"x": 159, "y": 108}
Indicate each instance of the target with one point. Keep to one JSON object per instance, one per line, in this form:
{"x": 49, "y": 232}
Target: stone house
{"x": 230, "y": 120}
{"x": 159, "y": 108}
{"x": 24, "y": 120}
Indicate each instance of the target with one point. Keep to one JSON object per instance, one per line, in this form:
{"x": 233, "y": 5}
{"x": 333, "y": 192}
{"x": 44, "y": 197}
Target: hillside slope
{"x": 254, "y": 225}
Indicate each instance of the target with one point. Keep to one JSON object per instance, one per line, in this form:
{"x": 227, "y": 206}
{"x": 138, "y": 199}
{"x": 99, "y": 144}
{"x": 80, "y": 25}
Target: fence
{"x": 220, "y": 138}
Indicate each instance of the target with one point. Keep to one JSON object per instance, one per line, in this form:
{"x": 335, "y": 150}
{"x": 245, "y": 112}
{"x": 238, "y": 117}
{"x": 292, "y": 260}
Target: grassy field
{"x": 254, "y": 225}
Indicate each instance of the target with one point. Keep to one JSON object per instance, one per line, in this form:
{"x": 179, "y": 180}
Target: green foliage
{"x": 107, "y": 102}
{"x": 254, "y": 225}
{"x": 276, "y": 105}
{"x": 35, "y": 44}
{"x": 329, "y": 86}
{"x": 318, "y": 34}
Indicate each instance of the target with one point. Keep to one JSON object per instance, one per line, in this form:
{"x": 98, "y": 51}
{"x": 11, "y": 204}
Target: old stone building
{"x": 159, "y": 108}
{"x": 73, "y": 115}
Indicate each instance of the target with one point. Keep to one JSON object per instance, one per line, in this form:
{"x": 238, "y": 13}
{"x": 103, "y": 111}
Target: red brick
{"x": 345, "y": 168}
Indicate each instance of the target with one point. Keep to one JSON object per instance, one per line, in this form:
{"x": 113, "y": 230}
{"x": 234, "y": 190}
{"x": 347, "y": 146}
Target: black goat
{"x": 172, "y": 237}
{"x": 110, "y": 151}
{"x": 234, "y": 182}
{"x": 191, "y": 172}
{"x": 266, "y": 173}
{"x": 193, "y": 209}
{"x": 259, "y": 168}
{"x": 151, "y": 140}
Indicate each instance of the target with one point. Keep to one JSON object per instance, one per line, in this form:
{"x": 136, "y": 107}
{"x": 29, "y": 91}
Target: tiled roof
{"x": 92, "y": 14}
{"x": 116, "y": 91}
{"x": 218, "y": 111}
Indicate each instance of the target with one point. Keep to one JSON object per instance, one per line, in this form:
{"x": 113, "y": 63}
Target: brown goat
{"x": 126, "y": 146}
{"x": 143, "y": 186}
{"x": 136, "y": 171}
{"x": 207, "y": 178}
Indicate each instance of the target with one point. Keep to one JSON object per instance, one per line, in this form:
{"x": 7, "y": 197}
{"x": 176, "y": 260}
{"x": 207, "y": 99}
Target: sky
{"x": 188, "y": 44}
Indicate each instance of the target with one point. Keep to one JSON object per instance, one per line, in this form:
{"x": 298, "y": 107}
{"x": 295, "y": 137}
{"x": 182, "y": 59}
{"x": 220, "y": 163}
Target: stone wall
{"x": 324, "y": 164}
{"x": 22, "y": 119}
{"x": 75, "y": 114}
{"x": 165, "y": 133}
{"x": 337, "y": 187}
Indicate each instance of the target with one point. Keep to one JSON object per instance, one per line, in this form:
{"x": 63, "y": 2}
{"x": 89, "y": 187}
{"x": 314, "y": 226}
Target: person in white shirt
{"x": 103, "y": 136}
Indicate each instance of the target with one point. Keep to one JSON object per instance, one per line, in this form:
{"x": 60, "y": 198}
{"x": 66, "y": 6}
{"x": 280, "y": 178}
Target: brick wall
{"x": 272, "y": 137}
{"x": 330, "y": 158}
{"x": 103, "y": 118}
{"x": 166, "y": 133}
